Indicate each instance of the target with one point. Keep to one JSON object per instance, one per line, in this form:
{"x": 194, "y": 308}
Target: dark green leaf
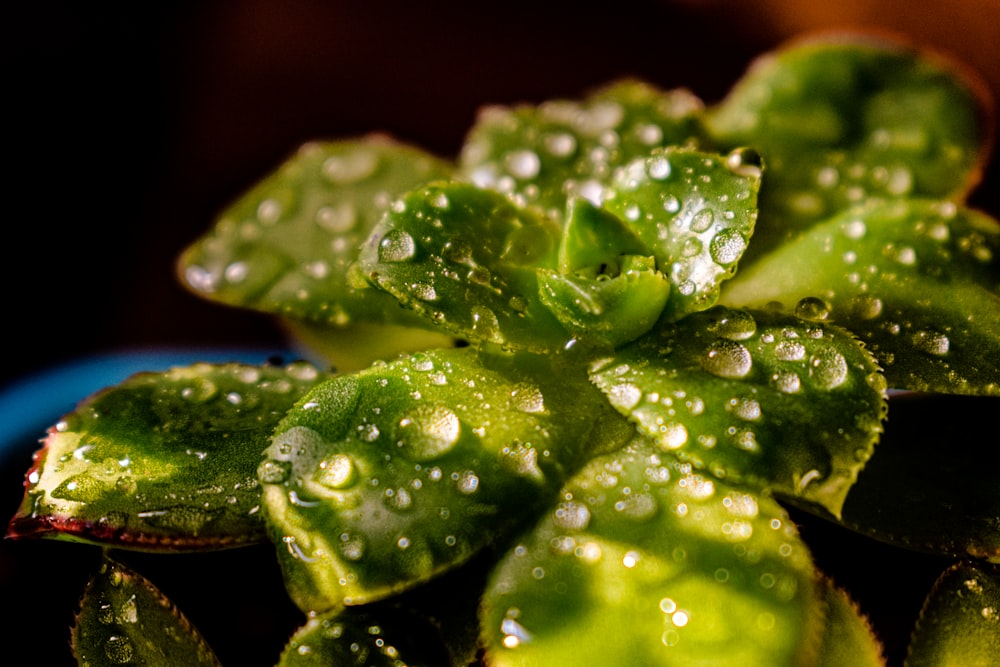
{"x": 917, "y": 280}
{"x": 841, "y": 120}
{"x": 848, "y": 638}
{"x": 125, "y": 620}
{"x": 163, "y": 461}
{"x": 758, "y": 398}
{"x": 544, "y": 155}
{"x": 383, "y": 479}
{"x": 643, "y": 561}
{"x": 960, "y": 621}
{"x": 465, "y": 259}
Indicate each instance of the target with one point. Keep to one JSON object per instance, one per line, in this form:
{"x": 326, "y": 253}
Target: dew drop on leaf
{"x": 397, "y": 246}
{"x": 429, "y": 431}
{"x": 727, "y": 359}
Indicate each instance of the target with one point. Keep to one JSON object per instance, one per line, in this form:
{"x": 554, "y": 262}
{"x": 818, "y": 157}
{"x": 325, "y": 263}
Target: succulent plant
{"x": 544, "y": 417}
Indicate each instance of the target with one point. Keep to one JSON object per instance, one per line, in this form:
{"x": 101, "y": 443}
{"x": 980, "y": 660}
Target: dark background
{"x": 127, "y": 126}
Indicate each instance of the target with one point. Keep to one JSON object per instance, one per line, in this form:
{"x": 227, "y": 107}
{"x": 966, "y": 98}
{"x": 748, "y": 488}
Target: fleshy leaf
{"x": 848, "y": 638}
{"x": 162, "y": 461}
{"x": 374, "y": 636}
{"x": 286, "y": 245}
{"x": 917, "y": 280}
{"x": 545, "y": 155}
{"x": 912, "y": 496}
{"x": 960, "y": 620}
{"x": 383, "y": 479}
{"x": 695, "y": 212}
{"x": 758, "y": 398}
{"x": 610, "y": 308}
{"x": 843, "y": 119}
{"x": 465, "y": 259}
{"x": 125, "y": 620}
{"x": 643, "y": 561}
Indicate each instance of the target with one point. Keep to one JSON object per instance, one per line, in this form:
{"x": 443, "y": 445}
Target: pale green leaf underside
{"x": 839, "y": 121}
{"x": 960, "y": 621}
{"x": 125, "y": 620}
{"x": 918, "y": 281}
{"x": 380, "y": 480}
{"x": 544, "y": 155}
{"x": 761, "y": 399}
{"x": 163, "y": 461}
{"x": 644, "y": 561}
{"x": 286, "y": 245}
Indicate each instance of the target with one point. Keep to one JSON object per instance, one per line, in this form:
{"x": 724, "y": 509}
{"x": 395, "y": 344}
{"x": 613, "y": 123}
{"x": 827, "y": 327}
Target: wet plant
{"x": 536, "y": 371}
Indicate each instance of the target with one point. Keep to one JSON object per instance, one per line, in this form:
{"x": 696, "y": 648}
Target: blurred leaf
{"x": 959, "y": 624}
{"x": 644, "y": 561}
{"x": 545, "y": 155}
{"x": 286, "y": 245}
{"x": 125, "y": 620}
{"x": 918, "y": 281}
{"x": 380, "y": 480}
{"x": 840, "y": 120}
{"x": 162, "y": 461}
{"x": 760, "y": 399}
{"x": 848, "y": 638}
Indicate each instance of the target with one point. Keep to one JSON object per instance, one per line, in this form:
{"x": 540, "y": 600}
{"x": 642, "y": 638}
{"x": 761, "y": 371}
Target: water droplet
{"x": 787, "y": 382}
{"x": 337, "y": 472}
{"x": 727, "y": 359}
{"x": 812, "y": 308}
{"x": 702, "y": 220}
{"x": 522, "y": 164}
{"x": 855, "y": 229}
{"x": 571, "y": 515}
{"x": 468, "y": 482}
{"x": 561, "y": 144}
{"x": 727, "y": 246}
{"x": 397, "y": 246}
{"x": 671, "y": 204}
{"x": 119, "y": 650}
{"x": 397, "y": 499}
{"x": 672, "y": 435}
{"x": 658, "y": 167}
{"x": 337, "y": 218}
{"x": 931, "y": 342}
{"x": 735, "y": 325}
{"x": 527, "y": 398}
{"x": 828, "y": 368}
{"x": 345, "y": 169}
{"x": 429, "y": 431}
{"x": 269, "y": 211}
{"x": 624, "y": 395}
{"x": 745, "y": 162}
{"x": 486, "y": 325}
{"x": 866, "y": 306}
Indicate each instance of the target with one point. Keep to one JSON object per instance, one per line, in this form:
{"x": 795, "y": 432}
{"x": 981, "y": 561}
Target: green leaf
{"x": 162, "y": 461}
{"x": 695, "y": 212}
{"x": 545, "y": 155}
{"x": 643, "y": 561}
{"x": 848, "y": 638}
{"x": 929, "y": 487}
{"x": 960, "y": 620}
{"x": 918, "y": 281}
{"x": 610, "y": 308}
{"x": 285, "y": 246}
{"x": 844, "y": 119}
{"x": 465, "y": 259}
{"x": 759, "y": 398}
{"x": 125, "y": 620}
{"x": 380, "y": 480}
{"x": 374, "y": 636}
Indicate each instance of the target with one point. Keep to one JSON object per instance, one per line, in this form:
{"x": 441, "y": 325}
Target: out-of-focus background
{"x": 128, "y": 126}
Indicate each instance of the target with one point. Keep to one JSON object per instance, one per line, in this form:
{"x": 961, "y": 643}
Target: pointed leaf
{"x": 843, "y": 119}
{"x": 918, "y": 281}
{"x": 928, "y": 486}
{"x": 542, "y": 155}
{"x": 285, "y": 246}
{"x": 162, "y": 461}
{"x": 695, "y": 212}
{"x": 374, "y": 636}
{"x": 758, "y": 398}
{"x": 125, "y": 620}
{"x": 383, "y": 479}
{"x": 465, "y": 259}
{"x": 645, "y": 562}
{"x": 848, "y": 638}
{"x": 960, "y": 621}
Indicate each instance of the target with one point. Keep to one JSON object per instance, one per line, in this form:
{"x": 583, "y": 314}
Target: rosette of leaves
{"x": 676, "y": 321}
